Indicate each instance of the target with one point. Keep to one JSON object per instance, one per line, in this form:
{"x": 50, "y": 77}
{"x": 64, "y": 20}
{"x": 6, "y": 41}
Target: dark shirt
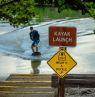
{"x": 34, "y": 35}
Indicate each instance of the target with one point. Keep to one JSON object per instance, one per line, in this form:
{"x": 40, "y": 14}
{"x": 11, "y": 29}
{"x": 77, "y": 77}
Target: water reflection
{"x": 35, "y": 64}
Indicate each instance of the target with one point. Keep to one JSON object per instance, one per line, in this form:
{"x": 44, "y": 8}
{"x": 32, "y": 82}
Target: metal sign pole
{"x": 61, "y": 88}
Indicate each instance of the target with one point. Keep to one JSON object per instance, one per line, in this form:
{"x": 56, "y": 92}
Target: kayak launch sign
{"x": 62, "y": 36}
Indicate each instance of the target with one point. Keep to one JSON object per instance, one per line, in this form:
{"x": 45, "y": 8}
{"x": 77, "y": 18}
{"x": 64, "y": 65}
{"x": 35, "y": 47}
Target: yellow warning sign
{"x": 62, "y": 63}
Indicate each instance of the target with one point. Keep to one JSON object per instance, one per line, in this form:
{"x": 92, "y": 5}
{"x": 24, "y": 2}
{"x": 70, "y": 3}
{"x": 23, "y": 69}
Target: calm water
{"x": 12, "y": 65}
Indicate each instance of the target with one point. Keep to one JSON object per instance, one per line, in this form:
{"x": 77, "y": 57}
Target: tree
{"x": 18, "y": 12}
{"x": 90, "y": 6}
{"x": 21, "y": 12}
{"x": 86, "y": 6}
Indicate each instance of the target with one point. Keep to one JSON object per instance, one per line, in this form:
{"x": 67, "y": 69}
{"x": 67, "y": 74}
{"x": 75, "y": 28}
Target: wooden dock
{"x": 27, "y": 85}
{"x": 75, "y": 80}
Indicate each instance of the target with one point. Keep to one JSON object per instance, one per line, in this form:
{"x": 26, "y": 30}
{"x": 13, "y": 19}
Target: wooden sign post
{"x": 62, "y": 62}
{"x": 61, "y": 89}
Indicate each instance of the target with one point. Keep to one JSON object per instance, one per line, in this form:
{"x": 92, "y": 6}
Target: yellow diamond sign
{"x": 62, "y": 63}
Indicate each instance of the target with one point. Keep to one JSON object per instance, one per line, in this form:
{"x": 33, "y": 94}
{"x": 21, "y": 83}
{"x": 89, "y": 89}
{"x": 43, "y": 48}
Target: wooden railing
{"x": 75, "y": 80}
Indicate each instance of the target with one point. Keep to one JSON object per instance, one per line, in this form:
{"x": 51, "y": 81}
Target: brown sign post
{"x": 62, "y": 36}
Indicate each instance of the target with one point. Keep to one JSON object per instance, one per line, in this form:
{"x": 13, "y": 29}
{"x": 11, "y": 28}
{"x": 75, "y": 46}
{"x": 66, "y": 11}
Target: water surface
{"x": 15, "y": 48}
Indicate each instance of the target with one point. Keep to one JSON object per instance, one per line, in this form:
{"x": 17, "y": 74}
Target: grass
{"x": 52, "y": 13}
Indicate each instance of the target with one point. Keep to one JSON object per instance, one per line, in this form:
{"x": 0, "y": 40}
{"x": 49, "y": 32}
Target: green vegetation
{"x": 52, "y": 13}
{"x": 91, "y": 8}
{"x": 21, "y": 12}
{"x": 17, "y": 13}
